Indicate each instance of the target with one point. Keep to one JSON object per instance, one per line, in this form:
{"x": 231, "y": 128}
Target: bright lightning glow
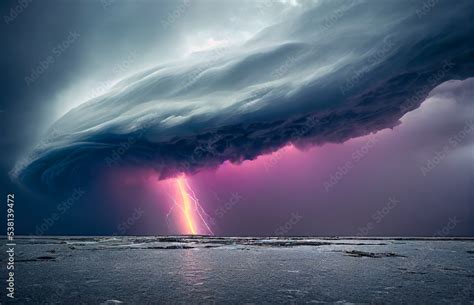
{"x": 193, "y": 215}
{"x": 180, "y": 182}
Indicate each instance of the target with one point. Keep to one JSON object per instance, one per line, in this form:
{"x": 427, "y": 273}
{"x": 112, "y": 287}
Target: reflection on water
{"x": 159, "y": 270}
{"x": 194, "y": 269}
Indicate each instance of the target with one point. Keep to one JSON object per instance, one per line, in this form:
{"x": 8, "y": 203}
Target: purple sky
{"x": 367, "y": 171}
{"x": 410, "y": 180}
{"x": 176, "y": 89}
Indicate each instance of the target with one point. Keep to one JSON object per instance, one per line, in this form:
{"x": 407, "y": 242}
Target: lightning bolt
{"x": 192, "y": 213}
{"x": 181, "y": 183}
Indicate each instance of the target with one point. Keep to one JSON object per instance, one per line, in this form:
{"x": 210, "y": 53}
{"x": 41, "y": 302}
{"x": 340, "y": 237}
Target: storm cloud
{"x": 339, "y": 70}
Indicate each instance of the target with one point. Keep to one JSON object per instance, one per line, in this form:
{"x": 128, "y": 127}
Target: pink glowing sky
{"x": 342, "y": 189}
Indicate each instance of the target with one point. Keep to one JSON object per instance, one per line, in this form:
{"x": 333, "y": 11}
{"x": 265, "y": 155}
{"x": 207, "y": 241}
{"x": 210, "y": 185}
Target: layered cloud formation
{"x": 341, "y": 69}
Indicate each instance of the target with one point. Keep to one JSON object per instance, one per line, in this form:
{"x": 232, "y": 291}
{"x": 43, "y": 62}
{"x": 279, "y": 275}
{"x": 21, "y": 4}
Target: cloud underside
{"x": 337, "y": 71}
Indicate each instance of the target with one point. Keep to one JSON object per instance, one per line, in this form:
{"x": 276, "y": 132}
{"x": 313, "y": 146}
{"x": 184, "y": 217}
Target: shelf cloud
{"x": 339, "y": 70}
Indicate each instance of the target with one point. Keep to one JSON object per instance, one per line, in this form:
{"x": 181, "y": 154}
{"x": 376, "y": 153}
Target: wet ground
{"x": 205, "y": 270}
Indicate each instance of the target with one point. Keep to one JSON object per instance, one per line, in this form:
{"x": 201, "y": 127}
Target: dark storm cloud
{"x": 337, "y": 71}
{"x": 36, "y": 68}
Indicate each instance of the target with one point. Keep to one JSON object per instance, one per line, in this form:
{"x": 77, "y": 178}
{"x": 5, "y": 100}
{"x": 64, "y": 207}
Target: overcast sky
{"x": 356, "y": 67}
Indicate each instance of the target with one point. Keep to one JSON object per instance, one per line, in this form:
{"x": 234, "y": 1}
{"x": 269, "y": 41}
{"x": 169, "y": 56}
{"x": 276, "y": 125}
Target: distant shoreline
{"x": 86, "y": 237}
